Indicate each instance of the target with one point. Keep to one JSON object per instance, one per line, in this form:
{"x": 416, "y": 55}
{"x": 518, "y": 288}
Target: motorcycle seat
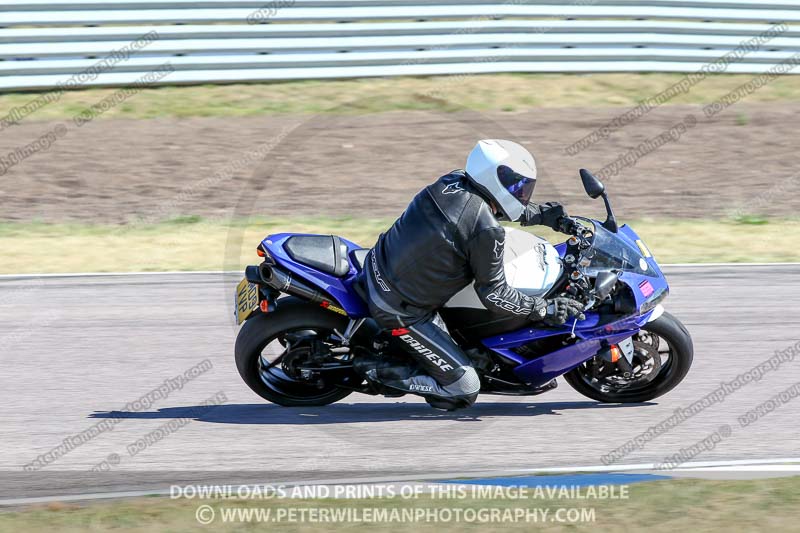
{"x": 359, "y": 257}
{"x": 326, "y": 253}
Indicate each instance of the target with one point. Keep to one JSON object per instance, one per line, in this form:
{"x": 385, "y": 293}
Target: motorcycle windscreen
{"x": 610, "y": 251}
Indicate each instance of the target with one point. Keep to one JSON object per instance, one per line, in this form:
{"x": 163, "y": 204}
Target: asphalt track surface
{"x": 76, "y": 350}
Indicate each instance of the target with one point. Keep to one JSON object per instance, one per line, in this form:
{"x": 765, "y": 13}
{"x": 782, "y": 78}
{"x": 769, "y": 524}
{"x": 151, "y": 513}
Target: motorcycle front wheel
{"x": 663, "y": 353}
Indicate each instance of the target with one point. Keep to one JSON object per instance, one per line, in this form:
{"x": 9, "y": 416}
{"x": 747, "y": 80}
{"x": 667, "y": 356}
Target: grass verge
{"x": 486, "y": 92}
{"x": 190, "y": 243}
{"x": 660, "y": 506}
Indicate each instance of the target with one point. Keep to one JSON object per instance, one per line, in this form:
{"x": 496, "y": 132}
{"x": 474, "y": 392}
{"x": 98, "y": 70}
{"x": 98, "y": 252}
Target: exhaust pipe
{"x": 281, "y": 281}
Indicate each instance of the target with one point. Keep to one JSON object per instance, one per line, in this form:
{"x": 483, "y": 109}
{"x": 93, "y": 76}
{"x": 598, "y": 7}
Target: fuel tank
{"x": 532, "y": 266}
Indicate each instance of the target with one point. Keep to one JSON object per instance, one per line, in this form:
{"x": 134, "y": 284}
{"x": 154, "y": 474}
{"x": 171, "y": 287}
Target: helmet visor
{"x": 519, "y": 186}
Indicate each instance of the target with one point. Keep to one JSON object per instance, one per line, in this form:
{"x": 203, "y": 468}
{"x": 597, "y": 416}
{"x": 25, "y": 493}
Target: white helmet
{"x": 504, "y": 171}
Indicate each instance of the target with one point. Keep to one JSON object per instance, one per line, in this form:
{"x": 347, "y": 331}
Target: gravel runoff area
{"x": 741, "y": 162}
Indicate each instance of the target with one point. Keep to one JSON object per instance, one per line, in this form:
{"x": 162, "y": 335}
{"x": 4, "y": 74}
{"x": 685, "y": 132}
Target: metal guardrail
{"x": 51, "y": 43}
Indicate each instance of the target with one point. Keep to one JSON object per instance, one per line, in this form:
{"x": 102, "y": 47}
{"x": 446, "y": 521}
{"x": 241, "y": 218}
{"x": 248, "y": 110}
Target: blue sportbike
{"x": 304, "y": 322}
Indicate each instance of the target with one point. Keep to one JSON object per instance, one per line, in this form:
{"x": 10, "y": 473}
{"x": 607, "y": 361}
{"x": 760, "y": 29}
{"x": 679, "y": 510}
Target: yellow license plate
{"x": 246, "y": 300}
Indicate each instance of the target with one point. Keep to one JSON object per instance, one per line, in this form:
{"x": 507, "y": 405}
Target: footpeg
{"x": 550, "y": 385}
{"x": 377, "y": 369}
{"x": 379, "y": 388}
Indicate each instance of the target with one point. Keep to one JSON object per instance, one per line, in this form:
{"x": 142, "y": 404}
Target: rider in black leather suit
{"x": 448, "y": 237}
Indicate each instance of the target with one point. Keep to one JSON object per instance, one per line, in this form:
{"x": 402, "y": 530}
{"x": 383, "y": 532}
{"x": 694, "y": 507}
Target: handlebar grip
{"x": 567, "y": 225}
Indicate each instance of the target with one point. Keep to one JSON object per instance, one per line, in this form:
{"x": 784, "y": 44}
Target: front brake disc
{"x": 646, "y": 367}
{"x": 646, "y": 364}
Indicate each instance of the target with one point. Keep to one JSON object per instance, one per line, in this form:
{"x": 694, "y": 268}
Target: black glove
{"x": 549, "y": 214}
{"x": 559, "y": 310}
{"x": 567, "y": 225}
{"x": 552, "y": 213}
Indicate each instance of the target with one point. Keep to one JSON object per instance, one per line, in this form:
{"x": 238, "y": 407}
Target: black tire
{"x": 681, "y": 349}
{"x": 290, "y": 314}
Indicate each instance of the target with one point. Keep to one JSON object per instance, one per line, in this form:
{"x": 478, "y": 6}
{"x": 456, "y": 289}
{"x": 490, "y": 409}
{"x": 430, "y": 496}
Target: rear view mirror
{"x": 593, "y": 186}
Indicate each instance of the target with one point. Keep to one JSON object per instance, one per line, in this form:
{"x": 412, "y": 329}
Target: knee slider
{"x": 468, "y": 384}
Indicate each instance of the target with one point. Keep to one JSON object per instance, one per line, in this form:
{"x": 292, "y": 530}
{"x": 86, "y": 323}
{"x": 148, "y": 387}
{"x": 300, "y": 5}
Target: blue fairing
{"x": 657, "y": 280}
{"x": 594, "y": 333}
{"x": 341, "y": 289}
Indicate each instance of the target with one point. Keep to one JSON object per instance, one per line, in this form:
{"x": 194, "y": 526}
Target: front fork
{"x": 620, "y": 354}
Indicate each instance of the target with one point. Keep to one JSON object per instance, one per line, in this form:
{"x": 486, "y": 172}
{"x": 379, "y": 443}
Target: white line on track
{"x": 783, "y": 465}
{"x": 651, "y": 466}
{"x": 117, "y": 274}
{"x": 231, "y": 272}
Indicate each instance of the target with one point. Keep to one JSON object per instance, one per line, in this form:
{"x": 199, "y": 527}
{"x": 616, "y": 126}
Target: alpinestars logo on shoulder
{"x": 453, "y": 188}
{"x": 498, "y": 249}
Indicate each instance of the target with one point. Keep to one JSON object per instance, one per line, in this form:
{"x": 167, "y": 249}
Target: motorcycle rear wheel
{"x": 668, "y": 337}
{"x": 264, "y": 372}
